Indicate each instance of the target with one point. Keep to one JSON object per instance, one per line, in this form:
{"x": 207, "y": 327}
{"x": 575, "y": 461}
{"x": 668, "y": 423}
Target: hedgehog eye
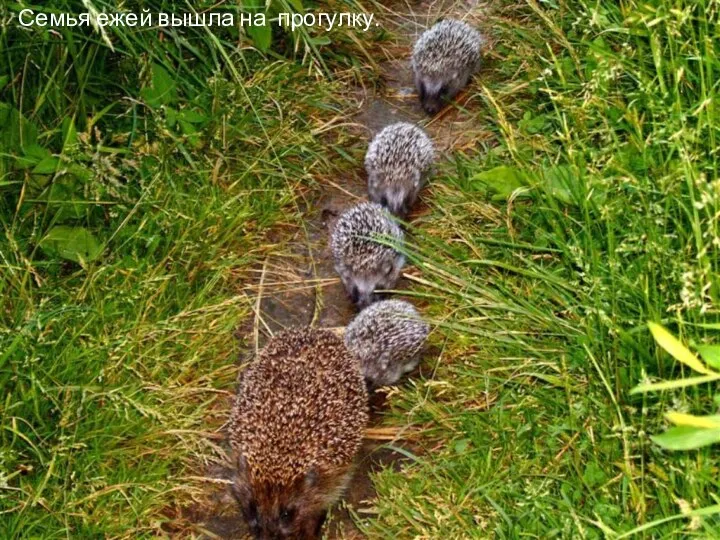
{"x": 287, "y": 515}
{"x": 443, "y": 91}
{"x": 387, "y": 269}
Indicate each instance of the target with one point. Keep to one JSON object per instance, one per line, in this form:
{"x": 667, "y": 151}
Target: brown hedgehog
{"x": 296, "y": 426}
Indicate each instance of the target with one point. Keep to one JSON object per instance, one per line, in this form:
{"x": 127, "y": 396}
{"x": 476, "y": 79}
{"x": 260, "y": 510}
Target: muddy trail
{"x": 300, "y": 287}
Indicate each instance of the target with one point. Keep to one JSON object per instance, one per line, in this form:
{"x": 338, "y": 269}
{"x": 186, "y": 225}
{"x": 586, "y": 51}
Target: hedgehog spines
{"x": 386, "y": 338}
{"x": 444, "y": 58}
{"x": 363, "y": 258}
{"x": 398, "y": 162}
{"x": 296, "y": 425}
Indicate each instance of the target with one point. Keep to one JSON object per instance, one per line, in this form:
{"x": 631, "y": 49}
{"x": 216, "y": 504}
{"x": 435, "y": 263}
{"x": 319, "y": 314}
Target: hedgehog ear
{"x": 312, "y": 477}
{"x": 241, "y": 465}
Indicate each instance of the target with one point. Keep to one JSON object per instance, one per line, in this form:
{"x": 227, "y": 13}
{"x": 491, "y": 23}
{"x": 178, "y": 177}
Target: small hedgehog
{"x": 397, "y": 163}
{"x": 444, "y": 59}
{"x": 364, "y": 263}
{"x": 386, "y": 338}
{"x": 296, "y": 426}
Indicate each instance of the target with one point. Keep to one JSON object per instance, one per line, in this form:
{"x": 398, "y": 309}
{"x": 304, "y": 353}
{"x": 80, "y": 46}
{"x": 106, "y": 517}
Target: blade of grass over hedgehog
{"x": 606, "y": 112}
{"x": 118, "y": 362}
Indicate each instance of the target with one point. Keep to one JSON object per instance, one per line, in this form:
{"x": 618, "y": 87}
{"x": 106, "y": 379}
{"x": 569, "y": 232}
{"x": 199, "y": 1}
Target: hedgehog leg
{"x": 320, "y": 523}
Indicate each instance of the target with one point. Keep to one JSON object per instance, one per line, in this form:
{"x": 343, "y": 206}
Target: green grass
{"x": 136, "y": 191}
{"x": 592, "y": 211}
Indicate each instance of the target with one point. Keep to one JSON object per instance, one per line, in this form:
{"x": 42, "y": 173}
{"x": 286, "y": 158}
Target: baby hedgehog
{"x": 444, "y": 59}
{"x": 363, "y": 262}
{"x": 397, "y": 162}
{"x": 296, "y": 426}
{"x": 386, "y": 338}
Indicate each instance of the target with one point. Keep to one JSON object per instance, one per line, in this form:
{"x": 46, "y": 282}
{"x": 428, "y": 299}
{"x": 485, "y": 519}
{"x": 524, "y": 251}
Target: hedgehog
{"x": 295, "y": 427}
{"x": 444, "y": 59}
{"x": 362, "y": 260}
{"x": 386, "y": 339}
{"x": 397, "y": 163}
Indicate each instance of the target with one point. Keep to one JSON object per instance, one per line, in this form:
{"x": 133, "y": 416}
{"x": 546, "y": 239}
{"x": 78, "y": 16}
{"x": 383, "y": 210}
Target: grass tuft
{"x": 137, "y": 187}
{"x": 593, "y": 211}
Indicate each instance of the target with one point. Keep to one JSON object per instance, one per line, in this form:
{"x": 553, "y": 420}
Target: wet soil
{"x": 301, "y": 287}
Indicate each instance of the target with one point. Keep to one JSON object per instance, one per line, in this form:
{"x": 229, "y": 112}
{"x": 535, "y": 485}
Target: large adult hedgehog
{"x": 296, "y": 426}
{"x": 363, "y": 258}
{"x": 397, "y": 162}
{"x": 444, "y": 59}
{"x": 386, "y": 338}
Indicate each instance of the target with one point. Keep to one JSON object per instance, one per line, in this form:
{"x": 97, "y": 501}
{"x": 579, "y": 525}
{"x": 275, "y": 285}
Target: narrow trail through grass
{"x": 297, "y": 285}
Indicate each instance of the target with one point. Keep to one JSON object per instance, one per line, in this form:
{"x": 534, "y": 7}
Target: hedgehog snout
{"x": 354, "y": 294}
{"x": 287, "y": 522}
{"x": 431, "y": 106}
{"x": 436, "y": 93}
{"x": 363, "y": 290}
{"x": 432, "y": 100}
{"x": 364, "y": 299}
{"x": 369, "y": 294}
{"x": 396, "y": 202}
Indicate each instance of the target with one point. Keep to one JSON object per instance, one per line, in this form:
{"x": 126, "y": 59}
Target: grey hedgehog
{"x": 386, "y": 338}
{"x": 363, "y": 262}
{"x": 296, "y": 426}
{"x": 444, "y": 59}
{"x": 397, "y": 163}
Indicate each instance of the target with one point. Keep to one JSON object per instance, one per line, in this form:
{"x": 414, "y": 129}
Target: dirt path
{"x": 301, "y": 287}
